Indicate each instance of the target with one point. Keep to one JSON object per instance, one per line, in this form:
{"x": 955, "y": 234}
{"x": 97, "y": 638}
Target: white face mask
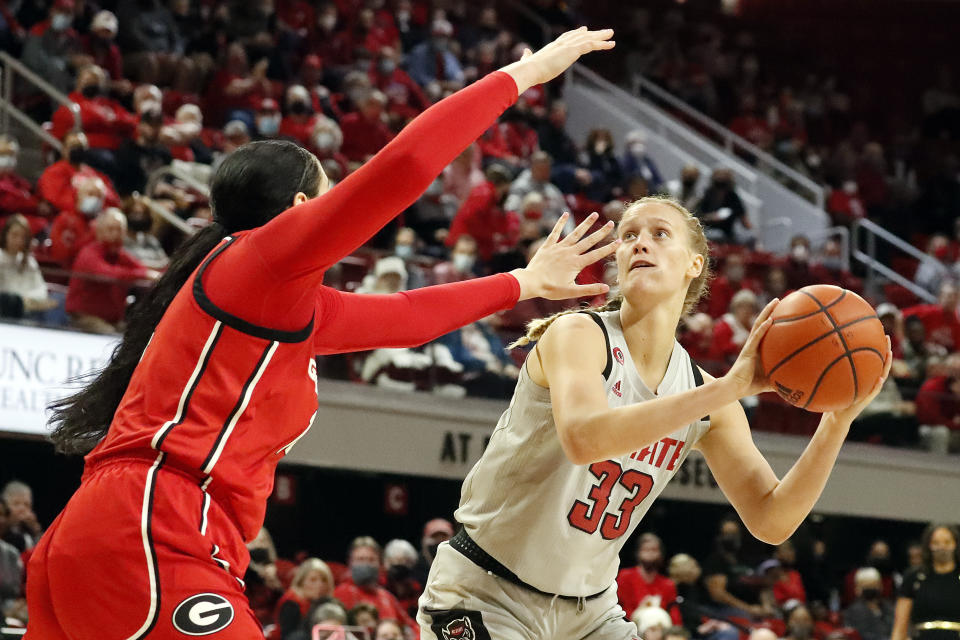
{"x": 463, "y": 262}
{"x": 61, "y": 21}
{"x": 850, "y": 187}
{"x": 91, "y": 205}
{"x": 8, "y": 162}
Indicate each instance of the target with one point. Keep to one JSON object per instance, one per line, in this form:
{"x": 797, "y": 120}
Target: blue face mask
{"x": 268, "y": 126}
{"x": 404, "y": 251}
{"x": 364, "y": 574}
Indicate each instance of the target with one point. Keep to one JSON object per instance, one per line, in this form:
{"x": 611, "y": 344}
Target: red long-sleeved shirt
{"x": 68, "y": 234}
{"x": 480, "y": 216}
{"x": 386, "y": 603}
{"x": 104, "y": 299}
{"x": 104, "y": 120}
{"x": 56, "y": 185}
{"x": 632, "y": 589}
{"x": 937, "y": 404}
{"x": 362, "y": 137}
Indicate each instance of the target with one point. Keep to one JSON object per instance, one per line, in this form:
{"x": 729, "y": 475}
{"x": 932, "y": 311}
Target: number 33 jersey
{"x": 557, "y": 525}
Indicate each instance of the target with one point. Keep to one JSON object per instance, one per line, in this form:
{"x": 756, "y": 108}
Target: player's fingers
{"x": 581, "y": 229}
{"x": 767, "y": 310}
{"x": 594, "y": 237}
{"x": 554, "y": 234}
{"x": 585, "y": 290}
{"x": 600, "y": 253}
{"x": 756, "y": 335}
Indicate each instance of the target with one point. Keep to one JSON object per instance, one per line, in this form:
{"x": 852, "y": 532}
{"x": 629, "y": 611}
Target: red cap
{"x": 269, "y": 104}
{"x": 312, "y": 61}
{"x": 437, "y": 525}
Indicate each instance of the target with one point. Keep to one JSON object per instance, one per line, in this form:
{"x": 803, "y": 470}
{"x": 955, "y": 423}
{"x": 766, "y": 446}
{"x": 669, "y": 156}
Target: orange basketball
{"x": 825, "y": 348}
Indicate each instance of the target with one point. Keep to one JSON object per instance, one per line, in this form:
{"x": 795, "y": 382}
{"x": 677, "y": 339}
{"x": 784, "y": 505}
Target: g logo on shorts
{"x": 202, "y": 614}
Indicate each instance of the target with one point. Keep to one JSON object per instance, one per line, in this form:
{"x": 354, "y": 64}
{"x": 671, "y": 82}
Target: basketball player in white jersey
{"x": 607, "y": 407}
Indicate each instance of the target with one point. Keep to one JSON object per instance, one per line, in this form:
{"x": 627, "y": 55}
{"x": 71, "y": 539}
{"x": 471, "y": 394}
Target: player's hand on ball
{"x": 746, "y": 374}
{"x": 845, "y": 417}
{"x": 553, "y": 270}
{"x": 552, "y": 60}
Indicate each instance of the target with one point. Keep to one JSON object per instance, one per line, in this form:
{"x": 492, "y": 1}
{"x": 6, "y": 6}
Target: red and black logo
{"x": 618, "y": 355}
{"x": 457, "y": 624}
{"x": 616, "y": 390}
{"x": 202, "y": 614}
{"x": 790, "y": 395}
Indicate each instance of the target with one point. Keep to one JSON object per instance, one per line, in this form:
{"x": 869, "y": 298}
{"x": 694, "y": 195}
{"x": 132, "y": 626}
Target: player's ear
{"x": 696, "y": 265}
{"x": 300, "y": 198}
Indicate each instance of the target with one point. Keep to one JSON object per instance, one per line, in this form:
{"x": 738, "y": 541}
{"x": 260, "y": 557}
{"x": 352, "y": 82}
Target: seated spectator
{"x": 58, "y": 183}
{"x": 235, "y": 134}
{"x": 797, "y": 263}
{"x": 789, "y": 586}
{"x": 696, "y": 337}
{"x": 732, "y": 329}
{"x": 636, "y": 161}
{"x": 938, "y": 401}
{"x": 941, "y": 320}
{"x": 829, "y": 266}
{"x": 140, "y": 242}
{"x": 463, "y": 174}
{"x": 192, "y": 142}
{"x": 266, "y": 120}
{"x": 869, "y": 614}
{"x": 732, "y": 279}
{"x": 724, "y": 576}
{"x": 264, "y": 586}
{"x": 11, "y": 566}
{"x": 604, "y": 166}
{"x": 435, "y": 532}
{"x": 361, "y": 586}
{"x": 844, "y": 205}
{"x": 23, "y": 530}
{"x": 71, "y": 228}
{"x": 918, "y": 355}
{"x": 389, "y": 276}
{"x": 693, "y": 597}
{"x": 519, "y": 136}
{"x": 100, "y": 46}
{"x": 388, "y": 630}
{"x": 363, "y": 615}
{"x": 644, "y": 585}
{"x": 750, "y": 125}
{"x": 553, "y": 137}
{"x": 300, "y": 120}
{"x": 721, "y": 208}
{"x": 326, "y": 138}
{"x": 53, "y": 49}
{"x": 104, "y": 120}
{"x": 406, "y": 247}
{"x": 878, "y": 557}
{"x": 312, "y": 583}
{"x": 16, "y": 192}
{"x": 482, "y": 217}
{"x": 432, "y": 61}
{"x": 405, "y": 97}
{"x": 22, "y": 288}
{"x": 487, "y": 370}
{"x": 364, "y": 132}
{"x": 686, "y": 189}
{"x": 933, "y": 272}
{"x": 774, "y": 286}
{"x": 399, "y": 559}
{"x": 536, "y": 179}
{"x": 236, "y": 89}
{"x": 98, "y": 304}
{"x": 331, "y": 617}
{"x": 138, "y": 158}
{"x": 651, "y": 622}
{"x": 151, "y": 37}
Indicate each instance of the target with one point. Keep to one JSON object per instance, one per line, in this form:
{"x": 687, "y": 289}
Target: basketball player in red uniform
{"x": 215, "y": 379}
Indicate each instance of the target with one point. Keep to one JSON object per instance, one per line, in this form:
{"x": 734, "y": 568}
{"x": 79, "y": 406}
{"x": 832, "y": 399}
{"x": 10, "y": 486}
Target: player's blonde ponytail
{"x": 697, "y": 289}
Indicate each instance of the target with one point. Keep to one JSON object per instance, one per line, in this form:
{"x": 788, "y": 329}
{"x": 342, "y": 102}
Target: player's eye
{"x": 629, "y": 235}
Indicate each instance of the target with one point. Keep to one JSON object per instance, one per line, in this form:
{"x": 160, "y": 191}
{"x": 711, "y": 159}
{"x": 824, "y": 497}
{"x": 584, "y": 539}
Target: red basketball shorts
{"x": 140, "y": 551}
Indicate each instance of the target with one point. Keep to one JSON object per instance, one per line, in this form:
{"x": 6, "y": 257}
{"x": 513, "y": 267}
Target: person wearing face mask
{"x": 326, "y": 138}
{"x": 299, "y": 122}
{"x": 53, "y": 49}
{"x": 140, "y": 242}
{"x": 603, "y": 164}
{"x": 790, "y": 584}
{"x": 104, "y": 120}
{"x": 723, "y": 574}
{"x": 733, "y": 278}
{"x": 364, "y": 131}
{"x": 644, "y": 585}
{"x": 100, "y": 46}
{"x": 844, "y": 204}
{"x": 435, "y": 531}
{"x": 58, "y": 182}
{"x": 686, "y": 189}
{"x": 870, "y": 614}
{"x": 16, "y": 192}
{"x": 878, "y": 557}
{"x": 405, "y": 247}
{"x": 432, "y": 59}
{"x": 460, "y": 266}
{"x": 267, "y": 120}
{"x": 406, "y": 97}
{"x": 637, "y": 162}
{"x": 139, "y": 157}
{"x": 797, "y": 263}
{"x": 98, "y": 304}
{"x": 721, "y": 207}
{"x": 399, "y": 559}
{"x": 363, "y": 583}
{"x": 928, "y": 604}
{"x": 71, "y": 228}
{"x": 482, "y": 216}
{"x": 799, "y": 624}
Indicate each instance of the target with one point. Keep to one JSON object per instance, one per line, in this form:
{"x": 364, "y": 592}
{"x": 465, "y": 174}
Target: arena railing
{"x": 866, "y": 233}
{"x": 11, "y": 68}
{"x": 177, "y": 173}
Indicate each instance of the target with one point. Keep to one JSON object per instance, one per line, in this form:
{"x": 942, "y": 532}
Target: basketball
{"x": 825, "y": 348}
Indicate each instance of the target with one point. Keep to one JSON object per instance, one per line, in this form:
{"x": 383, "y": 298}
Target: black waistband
{"x": 472, "y": 551}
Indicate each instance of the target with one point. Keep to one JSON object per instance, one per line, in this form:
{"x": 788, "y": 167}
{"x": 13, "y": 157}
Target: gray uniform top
{"x": 558, "y": 526}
